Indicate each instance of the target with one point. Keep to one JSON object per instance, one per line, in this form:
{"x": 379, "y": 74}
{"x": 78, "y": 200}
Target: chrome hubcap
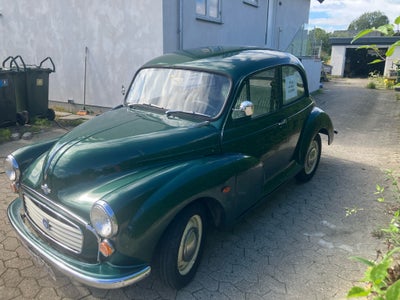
{"x": 190, "y": 244}
{"x": 311, "y": 158}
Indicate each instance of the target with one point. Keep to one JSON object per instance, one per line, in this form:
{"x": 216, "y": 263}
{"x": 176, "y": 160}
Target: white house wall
{"x": 273, "y": 23}
{"x": 242, "y": 24}
{"x": 119, "y": 35}
{"x": 290, "y": 15}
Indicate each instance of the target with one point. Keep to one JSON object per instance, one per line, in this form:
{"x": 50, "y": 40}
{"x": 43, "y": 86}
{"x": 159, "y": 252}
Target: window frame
{"x": 284, "y": 102}
{"x": 251, "y": 2}
{"x": 206, "y": 16}
{"x": 247, "y": 86}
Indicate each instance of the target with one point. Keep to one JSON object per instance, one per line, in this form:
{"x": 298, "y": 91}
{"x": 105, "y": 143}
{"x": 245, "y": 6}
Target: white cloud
{"x": 338, "y": 14}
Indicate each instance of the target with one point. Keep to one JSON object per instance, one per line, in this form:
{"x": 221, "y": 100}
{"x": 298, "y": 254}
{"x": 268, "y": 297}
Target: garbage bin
{"x": 398, "y": 74}
{"x": 12, "y": 93}
{"x": 37, "y": 89}
{"x": 8, "y": 107}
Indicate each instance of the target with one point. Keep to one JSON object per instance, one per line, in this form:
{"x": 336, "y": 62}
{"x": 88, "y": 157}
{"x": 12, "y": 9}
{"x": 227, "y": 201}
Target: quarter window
{"x": 292, "y": 84}
{"x": 209, "y": 10}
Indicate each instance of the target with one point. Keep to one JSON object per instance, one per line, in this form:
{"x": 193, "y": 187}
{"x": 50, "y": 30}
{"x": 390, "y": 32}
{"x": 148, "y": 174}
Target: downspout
{"x": 266, "y": 26}
{"x": 180, "y": 26}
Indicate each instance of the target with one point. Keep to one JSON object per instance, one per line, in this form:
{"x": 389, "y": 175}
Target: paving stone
{"x": 29, "y": 288}
{"x": 9, "y": 292}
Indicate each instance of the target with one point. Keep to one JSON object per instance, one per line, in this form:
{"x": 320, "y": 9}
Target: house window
{"x": 251, "y": 2}
{"x": 209, "y": 10}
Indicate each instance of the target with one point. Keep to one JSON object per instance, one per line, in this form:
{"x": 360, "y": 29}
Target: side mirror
{"x": 247, "y": 107}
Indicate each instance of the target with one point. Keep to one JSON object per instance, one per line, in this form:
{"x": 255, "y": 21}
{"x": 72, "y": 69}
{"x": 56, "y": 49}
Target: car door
{"x": 263, "y": 135}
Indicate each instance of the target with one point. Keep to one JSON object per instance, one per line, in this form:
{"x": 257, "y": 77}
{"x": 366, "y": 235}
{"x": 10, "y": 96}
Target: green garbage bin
{"x": 12, "y": 93}
{"x": 8, "y": 107}
{"x": 37, "y": 88}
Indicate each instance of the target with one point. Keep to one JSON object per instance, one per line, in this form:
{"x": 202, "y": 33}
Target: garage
{"x": 349, "y": 60}
{"x": 358, "y": 63}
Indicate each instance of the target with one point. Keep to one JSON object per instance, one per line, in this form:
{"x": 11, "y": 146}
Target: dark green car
{"x": 203, "y": 136}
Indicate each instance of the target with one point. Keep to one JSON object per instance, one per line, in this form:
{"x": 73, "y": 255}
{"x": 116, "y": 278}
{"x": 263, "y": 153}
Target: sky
{"x": 334, "y": 15}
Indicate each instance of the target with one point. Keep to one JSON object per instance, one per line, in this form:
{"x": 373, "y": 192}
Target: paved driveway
{"x": 296, "y": 246}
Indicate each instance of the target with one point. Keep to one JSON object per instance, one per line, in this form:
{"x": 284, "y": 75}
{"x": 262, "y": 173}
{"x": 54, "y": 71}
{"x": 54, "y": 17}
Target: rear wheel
{"x": 182, "y": 246}
{"x": 311, "y": 160}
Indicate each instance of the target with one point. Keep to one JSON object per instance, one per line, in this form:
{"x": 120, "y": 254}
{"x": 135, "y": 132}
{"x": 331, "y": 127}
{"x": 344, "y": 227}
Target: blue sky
{"x": 337, "y": 14}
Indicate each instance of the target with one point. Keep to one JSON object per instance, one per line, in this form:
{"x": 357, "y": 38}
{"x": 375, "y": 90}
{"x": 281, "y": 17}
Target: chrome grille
{"x": 54, "y": 226}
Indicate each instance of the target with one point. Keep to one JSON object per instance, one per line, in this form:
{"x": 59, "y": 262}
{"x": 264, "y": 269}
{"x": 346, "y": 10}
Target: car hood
{"x": 112, "y": 145}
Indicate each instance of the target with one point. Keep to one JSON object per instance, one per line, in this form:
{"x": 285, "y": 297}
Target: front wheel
{"x": 311, "y": 160}
{"x": 182, "y": 246}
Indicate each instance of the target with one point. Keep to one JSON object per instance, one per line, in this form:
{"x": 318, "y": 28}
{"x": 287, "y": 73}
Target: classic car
{"x": 203, "y": 136}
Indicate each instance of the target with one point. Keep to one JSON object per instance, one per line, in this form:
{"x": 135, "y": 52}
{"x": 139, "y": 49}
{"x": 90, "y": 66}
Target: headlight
{"x": 11, "y": 168}
{"x": 103, "y": 219}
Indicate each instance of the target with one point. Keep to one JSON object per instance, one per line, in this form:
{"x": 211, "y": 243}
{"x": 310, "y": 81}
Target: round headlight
{"x": 11, "y": 168}
{"x": 103, "y": 219}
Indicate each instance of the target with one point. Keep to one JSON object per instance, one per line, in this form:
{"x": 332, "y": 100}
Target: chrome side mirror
{"x": 247, "y": 107}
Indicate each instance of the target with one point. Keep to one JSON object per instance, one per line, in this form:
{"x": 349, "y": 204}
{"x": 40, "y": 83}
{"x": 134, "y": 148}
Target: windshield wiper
{"x": 171, "y": 112}
{"x": 145, "y": 104}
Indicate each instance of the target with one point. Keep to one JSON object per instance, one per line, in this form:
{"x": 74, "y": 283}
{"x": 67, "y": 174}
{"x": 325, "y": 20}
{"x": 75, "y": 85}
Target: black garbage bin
{"x": 37, "y": 89}
{"x": 13, "y": 95}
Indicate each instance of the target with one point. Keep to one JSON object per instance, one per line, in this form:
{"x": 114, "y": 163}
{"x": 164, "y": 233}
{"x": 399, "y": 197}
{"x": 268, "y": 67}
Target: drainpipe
{"x": 180, "y": 25}
{"x": 266, "y": 26}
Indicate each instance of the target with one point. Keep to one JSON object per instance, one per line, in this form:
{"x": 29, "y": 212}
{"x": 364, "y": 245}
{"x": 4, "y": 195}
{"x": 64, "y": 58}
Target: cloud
{"x": 338, "y": 14}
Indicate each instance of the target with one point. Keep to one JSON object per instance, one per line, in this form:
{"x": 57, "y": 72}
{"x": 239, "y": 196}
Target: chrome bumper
{"x": 104, "y": 276}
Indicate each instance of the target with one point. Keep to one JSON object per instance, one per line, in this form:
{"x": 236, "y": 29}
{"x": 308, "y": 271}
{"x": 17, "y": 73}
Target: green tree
{"x": 368, "y": 20}
{"x": 321, "y": 37}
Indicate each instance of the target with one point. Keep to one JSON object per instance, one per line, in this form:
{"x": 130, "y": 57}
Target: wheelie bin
{"x": 37, "y": 89}
{"x": 13, "y": 95}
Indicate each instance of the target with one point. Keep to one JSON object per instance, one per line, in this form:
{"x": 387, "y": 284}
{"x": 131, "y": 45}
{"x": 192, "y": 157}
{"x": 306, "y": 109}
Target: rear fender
{"x": 317, "y": 122}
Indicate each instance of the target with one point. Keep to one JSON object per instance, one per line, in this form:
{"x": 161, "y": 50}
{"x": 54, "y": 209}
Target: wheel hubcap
{"x": 312, "y": 158}
{"x": 190, "y": 244}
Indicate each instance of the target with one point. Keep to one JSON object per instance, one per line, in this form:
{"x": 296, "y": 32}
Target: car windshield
{"x": 180, "y": 91}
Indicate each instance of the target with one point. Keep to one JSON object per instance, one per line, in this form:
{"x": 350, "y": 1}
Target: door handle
{"x": 283, "y": 122}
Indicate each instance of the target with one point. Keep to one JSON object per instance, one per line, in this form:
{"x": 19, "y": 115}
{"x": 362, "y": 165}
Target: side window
{"x": 261, "y": 90}
{"x": 292, "y": 84}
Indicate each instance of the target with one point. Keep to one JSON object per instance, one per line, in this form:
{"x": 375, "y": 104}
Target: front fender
{"x": 147, "y": 206}
{"x": 26, "y": 155}
{"x": 317, "y": 122}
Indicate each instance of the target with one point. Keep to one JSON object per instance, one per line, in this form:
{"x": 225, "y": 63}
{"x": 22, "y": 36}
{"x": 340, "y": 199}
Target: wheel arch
{"x": 317, "y": 122}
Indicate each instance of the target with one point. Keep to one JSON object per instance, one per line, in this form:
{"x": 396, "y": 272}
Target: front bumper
{"x": 100, "y": 275}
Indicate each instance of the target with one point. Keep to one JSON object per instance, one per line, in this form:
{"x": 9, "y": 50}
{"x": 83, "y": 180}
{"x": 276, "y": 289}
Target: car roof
{"x": 234, "y": 61}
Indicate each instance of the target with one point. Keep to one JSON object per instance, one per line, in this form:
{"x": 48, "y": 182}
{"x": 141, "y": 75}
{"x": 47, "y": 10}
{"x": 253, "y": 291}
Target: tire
{"x": 22, "y": 118}
{"x": 51, "y": 115}
{"x": 311, "y": 160}
{"x": 182, "y": 246}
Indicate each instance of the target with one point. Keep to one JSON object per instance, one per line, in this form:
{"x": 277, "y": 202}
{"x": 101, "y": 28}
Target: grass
{"x": 5, "y": 135}
{"x": 38, "y": 125}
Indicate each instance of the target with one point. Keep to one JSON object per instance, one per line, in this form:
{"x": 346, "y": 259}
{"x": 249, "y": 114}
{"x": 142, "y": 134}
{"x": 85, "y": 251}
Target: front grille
{"x": 54, "y": 226}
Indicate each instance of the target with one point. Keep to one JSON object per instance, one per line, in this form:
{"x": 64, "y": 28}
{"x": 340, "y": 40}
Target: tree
{"x": 321, "y": 37}
{"x": 368, "y": 20}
